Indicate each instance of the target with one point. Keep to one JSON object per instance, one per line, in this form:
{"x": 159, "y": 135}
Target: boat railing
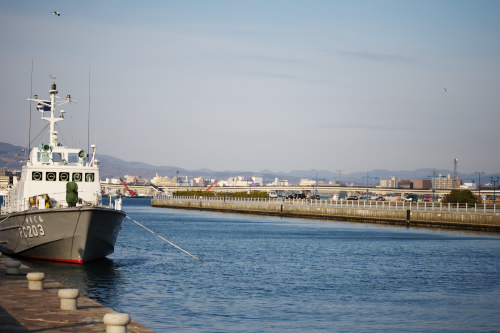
{"x": 10, "y": 205}
{"x": 483, "y": 208}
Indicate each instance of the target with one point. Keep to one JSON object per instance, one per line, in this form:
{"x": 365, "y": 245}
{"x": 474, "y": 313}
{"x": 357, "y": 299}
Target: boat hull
{"x": 76, "y": 235}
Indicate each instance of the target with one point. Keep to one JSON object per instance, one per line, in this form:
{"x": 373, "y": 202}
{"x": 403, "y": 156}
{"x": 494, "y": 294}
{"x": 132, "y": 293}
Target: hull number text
{"x": 33, "y": 228}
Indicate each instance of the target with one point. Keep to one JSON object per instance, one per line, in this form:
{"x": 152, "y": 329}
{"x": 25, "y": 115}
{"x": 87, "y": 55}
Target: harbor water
{"x": 272, "y": 274}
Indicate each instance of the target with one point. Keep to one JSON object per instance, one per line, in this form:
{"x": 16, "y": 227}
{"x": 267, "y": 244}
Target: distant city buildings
{"x": 162, "y": 181}
{"x": 131, "y": 179}
{"x": 440, "y": 182}
{"x": 470, "y": 185}
{"x": 5, "y": 178}
{"x": 200, "y": 181}
{"x": 417, "y": 184}
{"x": 243, "y": 181}
{"x": 443, "y": 183}
{"x": 114, "y": 181}
{"x": 388, "y": 183}
{"x": 257, "y": 181}
{"x": 278, "y": 182}
{"x": 238, "y": 181}
{"x": 310, "y": 182}
{"x": 307, "y": 182}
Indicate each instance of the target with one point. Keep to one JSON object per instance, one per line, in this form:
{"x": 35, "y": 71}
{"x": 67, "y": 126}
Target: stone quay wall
{"x": 409, "y": 216}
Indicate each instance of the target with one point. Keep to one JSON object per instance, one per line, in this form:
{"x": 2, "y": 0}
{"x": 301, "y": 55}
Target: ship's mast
{"x": 50, "y": 105}
{"x": 52, "y": 119}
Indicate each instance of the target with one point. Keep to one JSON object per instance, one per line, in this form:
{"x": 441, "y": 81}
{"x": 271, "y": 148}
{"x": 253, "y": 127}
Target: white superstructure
{"x": 51, "y": 166}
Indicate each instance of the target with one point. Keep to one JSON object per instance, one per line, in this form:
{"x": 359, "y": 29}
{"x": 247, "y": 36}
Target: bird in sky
{"x": 56, "y": 13}
{"x": 444, "y": 89}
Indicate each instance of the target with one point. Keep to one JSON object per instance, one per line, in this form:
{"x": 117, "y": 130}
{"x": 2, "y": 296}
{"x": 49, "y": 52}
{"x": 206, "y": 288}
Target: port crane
{"x": 130, "y": 192}
{"x": 208, "y": 189}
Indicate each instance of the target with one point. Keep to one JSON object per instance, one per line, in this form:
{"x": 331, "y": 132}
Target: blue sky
{"x": 253, "y": 85}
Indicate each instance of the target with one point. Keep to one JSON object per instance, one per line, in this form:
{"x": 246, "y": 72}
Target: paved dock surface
{"x": 24, "y": 310}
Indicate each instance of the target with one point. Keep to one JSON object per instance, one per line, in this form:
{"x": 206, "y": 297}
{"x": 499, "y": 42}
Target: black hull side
{"x": 75, "y": 235}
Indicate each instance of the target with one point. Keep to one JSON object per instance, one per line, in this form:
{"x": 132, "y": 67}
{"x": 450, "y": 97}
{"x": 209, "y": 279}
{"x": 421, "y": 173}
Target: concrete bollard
{"x": 68, "y": 298}
{"x": 116, "y": 322}
{"x": 35, "y": 280}
{"x": 12, "y": 267}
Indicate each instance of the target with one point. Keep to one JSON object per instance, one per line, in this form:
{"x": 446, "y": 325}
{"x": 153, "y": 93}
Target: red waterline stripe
{"x": 72, "y": 261}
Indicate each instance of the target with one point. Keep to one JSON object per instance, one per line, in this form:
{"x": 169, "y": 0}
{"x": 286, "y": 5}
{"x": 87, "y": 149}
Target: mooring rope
{"x": 151, "y": 231}
{"x": 48, "y": 321}
{"x": 5, "y": 218}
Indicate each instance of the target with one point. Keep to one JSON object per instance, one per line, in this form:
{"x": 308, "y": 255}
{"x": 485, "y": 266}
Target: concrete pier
{"x": 467, "y": 218}
{"x": 25, "y": 310}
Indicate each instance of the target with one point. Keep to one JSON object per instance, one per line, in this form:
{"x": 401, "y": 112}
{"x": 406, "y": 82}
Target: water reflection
{"x": 265, "y": 274}
{"x": 99, "y": 280}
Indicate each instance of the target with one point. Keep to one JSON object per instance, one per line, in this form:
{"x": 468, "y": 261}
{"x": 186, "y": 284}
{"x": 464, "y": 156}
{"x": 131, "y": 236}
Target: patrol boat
{"x": 55, "y": 211}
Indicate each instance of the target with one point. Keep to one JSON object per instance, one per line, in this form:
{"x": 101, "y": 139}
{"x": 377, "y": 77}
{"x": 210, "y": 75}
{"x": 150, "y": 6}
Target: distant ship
{"x": 113, "y": 193}
{"x": 55, "y": 211}
{"x": 5, "y": 190}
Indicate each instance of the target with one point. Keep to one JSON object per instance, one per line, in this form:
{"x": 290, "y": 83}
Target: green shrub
{"x": 71, "y": 194}
{"x": 461, "y": 196}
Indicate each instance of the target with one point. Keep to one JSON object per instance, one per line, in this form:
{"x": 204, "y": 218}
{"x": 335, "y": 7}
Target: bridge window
{"x": 50, "y": 176}
{"x": 36, "y": 176}
{"x": 72, "y": 157}
{"x": 89, "y": 177}
{"x": 64, "y": 176}
{"x": 56, "y": 157}
{"x": 77, "y": 176}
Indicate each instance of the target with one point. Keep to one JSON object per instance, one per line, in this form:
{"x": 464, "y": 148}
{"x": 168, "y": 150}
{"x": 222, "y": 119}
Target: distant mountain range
{"x": 115, "y": 167}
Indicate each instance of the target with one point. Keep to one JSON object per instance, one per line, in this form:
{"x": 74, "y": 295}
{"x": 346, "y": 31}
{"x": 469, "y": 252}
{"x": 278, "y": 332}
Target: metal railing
{"x": 10, "y": 205}
{"x": 362, "y": 204}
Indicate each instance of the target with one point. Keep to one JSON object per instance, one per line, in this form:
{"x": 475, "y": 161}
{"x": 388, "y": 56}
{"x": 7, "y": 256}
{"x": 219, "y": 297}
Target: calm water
{"x": 268, "y": 274}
